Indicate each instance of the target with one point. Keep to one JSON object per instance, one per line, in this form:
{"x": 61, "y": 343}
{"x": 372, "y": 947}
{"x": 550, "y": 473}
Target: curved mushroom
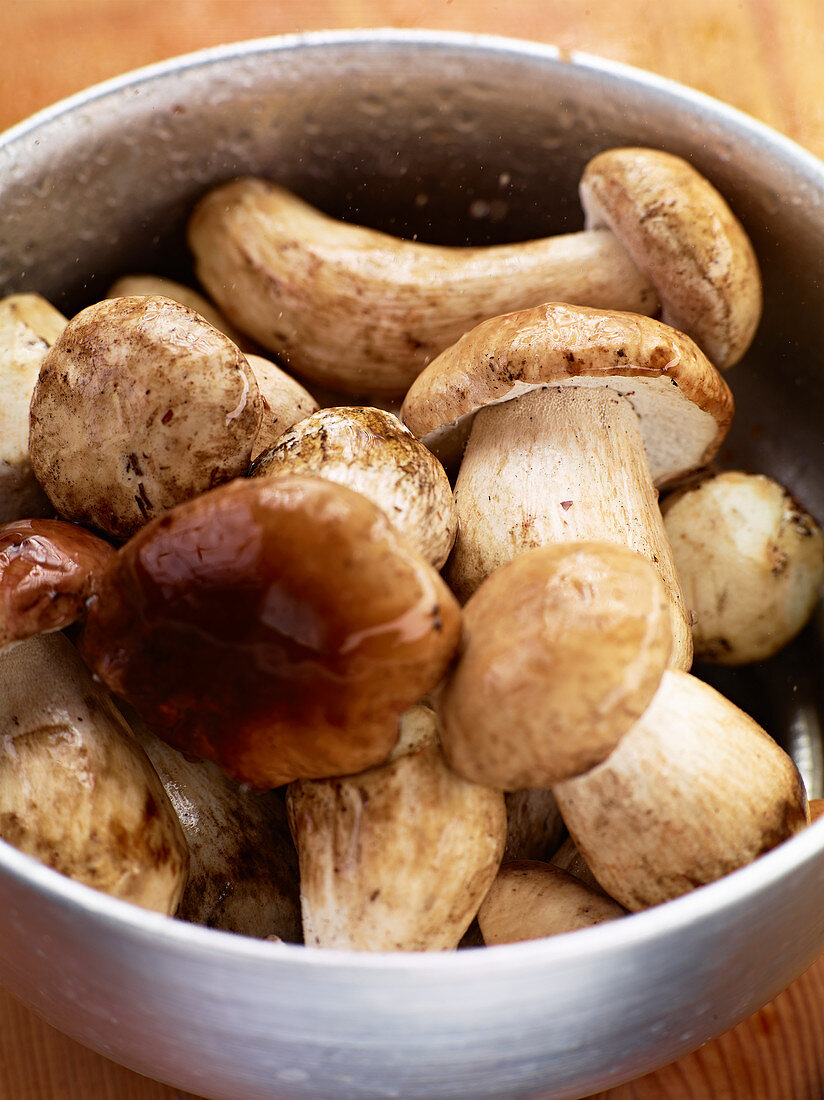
{"x": 372, "y": 452}
{"x": 305, "y": 285}
{"x": 276, "y": 626}
{"x": 76, "y": 789}
{"x": 695, "y": 790}
{"x": 243, "y": 868}
{"x": 573, "y": 416}
{"x": 397, "y": 858}
{"x": 140, "y": 404}
{"x": 28, "y": 328}
{"x": 529, "y": 900}
{"x": 563, "y": 649}
{"x": 751, "y": 563}
{"x": 48, "y": 570}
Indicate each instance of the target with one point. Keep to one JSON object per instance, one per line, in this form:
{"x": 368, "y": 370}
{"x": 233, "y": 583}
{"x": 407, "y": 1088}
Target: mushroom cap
{"x": 29, "y": 325}
{"x": 48, "y": 569}
{"x": 751, "y": 562}
{"x": 140, "y": 404}
{"x": 530, "y": 899}
{"x": 372, "y": 452}
{"x": 285, "y": 402}
{"x": 563, "y": 649}
{"x": 683, "y": 404}
{"x": 276, "y": 626}
{"x": 398, "y": 857}
{"x": 682, "y": 234}
{"x": 76, "y": 789}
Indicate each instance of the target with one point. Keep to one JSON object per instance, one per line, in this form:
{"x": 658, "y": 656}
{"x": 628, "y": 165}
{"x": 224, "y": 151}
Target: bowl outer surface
{"x": 457, "y": 139}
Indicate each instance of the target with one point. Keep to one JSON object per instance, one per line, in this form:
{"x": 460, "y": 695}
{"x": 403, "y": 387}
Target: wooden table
{"x": 763, "y": 56}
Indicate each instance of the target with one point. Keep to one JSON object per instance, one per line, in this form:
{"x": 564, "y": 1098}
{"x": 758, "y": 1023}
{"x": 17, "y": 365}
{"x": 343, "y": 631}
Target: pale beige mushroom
{"x": 278, "y": 626}
{"x": 751, "y": 563}
{"x": 48, "y": 570}
{"x": 364, "y": 312}
{"x": 683, "y": 236}
{"x": 573, "y": 417}
{"x": 372, "y": 452}
{"x": 243, "y": 872}
{"x": 397, "y": 858}
{"x": 563, "y": 649}
{"x": 695, "y": 790}
{"x": 529, "y": 900}
{"x": 76, "y": 789}
{"x": 28, "y": 328}
{"x": 139, "y": 405}
{"x": 152, "y": 286}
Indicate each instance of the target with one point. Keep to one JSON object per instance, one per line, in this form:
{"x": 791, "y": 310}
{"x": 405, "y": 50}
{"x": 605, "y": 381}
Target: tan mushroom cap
{"x": 682, "y": 234}
{"x": 371, "y": 451}
{"x": 529, "y": 900}
{"x": 563, "y": 649}
{"x": 48, "y": 569}
{"x": 276, "y": 626}
{"x": 285, "y": 402}
{"x": 683, "y": 405}
{"x": 140, "y": 404}
{"x": 751, "y": 561}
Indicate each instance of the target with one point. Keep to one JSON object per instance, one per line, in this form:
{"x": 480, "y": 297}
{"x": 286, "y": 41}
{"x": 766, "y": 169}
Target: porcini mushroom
{"x": 574, "y": 415}
{"x": 530, "y": 899}
{"x": 243, "y": 867}
{"x": 563, "y": 649}
{"x": 372, "y": 452}
{"x": 397, "y": 858}
{"x": 695, "y": 790}
{"x": 751, "y": 563}
{"x": 48, "y": 570}
{"x": 140, "y": 404}
{"x": 305, "y": 285}
{"x": 76, "y": 789}
{"x": 28, "y": 328}
{"x": 276, "y": 626}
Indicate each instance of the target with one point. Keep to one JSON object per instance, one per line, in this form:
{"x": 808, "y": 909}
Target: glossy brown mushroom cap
{"x": 48, "y": 569}
{"x": 278, "y": 627}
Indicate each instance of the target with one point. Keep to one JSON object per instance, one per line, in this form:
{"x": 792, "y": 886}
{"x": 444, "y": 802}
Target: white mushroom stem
{"x": 695, "y": 790}
{"x": 560, "y": 465}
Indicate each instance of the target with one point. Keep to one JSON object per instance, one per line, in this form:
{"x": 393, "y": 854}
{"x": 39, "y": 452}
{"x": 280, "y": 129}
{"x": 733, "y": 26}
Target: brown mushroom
{"x": 563, "y": 648}
{"x": 397, "y": 858}
{"x": 569, "y": 859}
{"x": 276, "y": 626}
{"x": 751, "y": 563}
{"x": 48, "y": 570}
{"x": 243, "y": 872}
{"x": 529, "y": 900}
{"x": 76, "y": 789}
{"x": 140, "y": 404}
{"x": 695, "y": 789}
{"x": 307, "y": 286}
{"x": 28, "y": 328}
{"x": 534, "y": 824}
{"x": 573, "y": 415}
{"x": 372, "y": 452}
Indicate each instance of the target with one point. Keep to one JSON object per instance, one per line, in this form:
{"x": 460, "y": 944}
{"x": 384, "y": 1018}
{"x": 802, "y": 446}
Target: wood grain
{"x": 762, "y": 56}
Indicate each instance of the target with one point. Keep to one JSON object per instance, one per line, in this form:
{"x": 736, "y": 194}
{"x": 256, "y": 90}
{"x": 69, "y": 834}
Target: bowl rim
{"x": 798, "y": 853}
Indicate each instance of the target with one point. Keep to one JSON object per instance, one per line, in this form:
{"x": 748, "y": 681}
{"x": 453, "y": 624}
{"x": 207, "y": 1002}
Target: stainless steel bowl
{"x": 453, "y": 138}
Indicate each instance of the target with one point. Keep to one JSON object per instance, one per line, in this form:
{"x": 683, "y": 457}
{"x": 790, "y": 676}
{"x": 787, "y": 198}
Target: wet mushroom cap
{"x": 683, "y": 405}
{"x": 140, "y": 405}
{"x": 682, "y": 234}
{"x": 563, "y": 648}
{"x": 275, "y": 626}
{"x": 373, "y": 452}
{"x": 48, "y": 569}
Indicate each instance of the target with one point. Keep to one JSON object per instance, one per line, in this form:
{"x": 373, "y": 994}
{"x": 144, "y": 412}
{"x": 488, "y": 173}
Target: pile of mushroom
{"x": 270, "y": 712}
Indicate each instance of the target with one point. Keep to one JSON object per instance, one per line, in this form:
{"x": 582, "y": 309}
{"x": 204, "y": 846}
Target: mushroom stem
{"x": 560, "y": 465}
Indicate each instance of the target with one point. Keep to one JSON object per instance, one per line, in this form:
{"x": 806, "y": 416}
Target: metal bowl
{"x": 457, "y": 139}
